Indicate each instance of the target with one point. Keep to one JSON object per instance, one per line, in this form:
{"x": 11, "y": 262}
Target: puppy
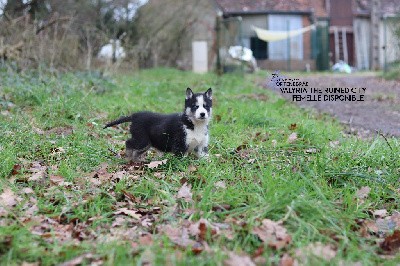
{"x": 179, "y": 133}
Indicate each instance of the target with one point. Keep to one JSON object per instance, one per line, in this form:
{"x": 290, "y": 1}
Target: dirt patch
{"x": 379, "y": 112}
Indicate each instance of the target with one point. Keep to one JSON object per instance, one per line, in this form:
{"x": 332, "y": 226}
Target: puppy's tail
{"x": 121, "y": 120}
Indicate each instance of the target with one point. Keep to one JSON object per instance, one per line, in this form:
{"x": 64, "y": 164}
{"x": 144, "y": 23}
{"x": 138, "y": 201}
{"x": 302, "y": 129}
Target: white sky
{"x": 2, "y": 3}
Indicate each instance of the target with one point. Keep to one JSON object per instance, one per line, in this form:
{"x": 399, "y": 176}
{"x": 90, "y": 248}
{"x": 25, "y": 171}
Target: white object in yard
{"x": 342, "y": 67}
{"x": 200, "y": 56}
{"x": 111, "y": 50}
{"x": 243, "y": 54}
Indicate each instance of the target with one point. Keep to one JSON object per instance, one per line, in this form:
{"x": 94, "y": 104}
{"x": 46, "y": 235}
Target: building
{"x": 362, "y": 32}
{"x": 308, "y": 50}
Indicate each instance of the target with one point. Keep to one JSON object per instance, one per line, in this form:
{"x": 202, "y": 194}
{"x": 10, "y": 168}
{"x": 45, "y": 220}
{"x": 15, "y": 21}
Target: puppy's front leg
{"x": 202, "y": 151}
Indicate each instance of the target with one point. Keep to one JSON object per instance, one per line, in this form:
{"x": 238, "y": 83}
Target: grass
{"x": 311, "y": 183}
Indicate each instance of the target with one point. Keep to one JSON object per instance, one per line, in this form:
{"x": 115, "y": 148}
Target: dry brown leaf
{"x": 155, "y": 164}
{"x": 238, "y": 260}
{"x": 179, "y": 236}
{"x": 37, "y": 176}
{"x": 363, "y": 192}
{"x": 78, "y": 260}
{"x": 16, "y": 169}
{"x": 380, "y": 213}
{"x": 220, "y": 184}
{"x": 27, "y": 190}
{"x": 8, "y": 198}
{"x": 292, "y": 137}
{"x": 37, "y": 167}
{"x": 128, "y": 195}
{"x": 192, "y": 168}
{"x": 200, "y": 228}
{"x": 273, "y": 234}
{"x": 325, "y": 252}
{"x": 119, "y": 220}
{"x": 185, "y": 193}
{"x": 391, "y": 244}
{"x": 128, "y": 212}
{"x": 56, "y": 179}
{"x": 146, "y": 240}
{"x": 286, "y": 260}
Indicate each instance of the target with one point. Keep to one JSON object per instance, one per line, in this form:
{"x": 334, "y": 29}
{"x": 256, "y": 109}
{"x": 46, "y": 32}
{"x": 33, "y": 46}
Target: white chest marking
{"x": 197, "y": 137}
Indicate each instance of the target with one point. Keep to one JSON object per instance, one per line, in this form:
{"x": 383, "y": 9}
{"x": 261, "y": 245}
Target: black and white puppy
{"x": 179, "y": 133}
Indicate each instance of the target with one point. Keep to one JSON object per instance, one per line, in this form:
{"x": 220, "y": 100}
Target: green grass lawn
{"x": 66, "y": 193}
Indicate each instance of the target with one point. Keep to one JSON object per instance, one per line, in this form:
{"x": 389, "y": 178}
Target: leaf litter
{"x": 137, "y": 224}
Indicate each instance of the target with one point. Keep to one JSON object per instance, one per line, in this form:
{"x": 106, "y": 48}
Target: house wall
{"x": 278, "y": 50}
{"x": 362, "y": 37}
{"x": 341, "y": 13}
{"x": 301, "y": 52}
{"x": 307, "y": 49}
{"x": 392, "y": 43}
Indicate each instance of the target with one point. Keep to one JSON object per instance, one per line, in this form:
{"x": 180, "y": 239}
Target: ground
{"x": 380, "y": 112}
{"x": 282, "y": 185}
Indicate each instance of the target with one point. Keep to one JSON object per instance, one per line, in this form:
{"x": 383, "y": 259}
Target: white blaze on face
{"x": 201, "y": 112}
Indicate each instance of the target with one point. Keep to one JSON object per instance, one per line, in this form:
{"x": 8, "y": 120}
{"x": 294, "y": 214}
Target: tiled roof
{"x": 265, "y": 6}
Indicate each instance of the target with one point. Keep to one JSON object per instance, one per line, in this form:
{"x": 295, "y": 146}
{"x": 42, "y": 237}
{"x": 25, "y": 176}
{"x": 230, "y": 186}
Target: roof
{"x": 388, "y": 7}
{"x": 272, "y": 6}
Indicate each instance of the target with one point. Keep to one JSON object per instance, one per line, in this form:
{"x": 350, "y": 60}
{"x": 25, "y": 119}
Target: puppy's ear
{"x": 208, "y": 93}
{"x": 189, "y": 93}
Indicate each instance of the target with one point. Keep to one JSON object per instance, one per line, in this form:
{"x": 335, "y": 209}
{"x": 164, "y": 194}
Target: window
{"x": 259, "y": 48}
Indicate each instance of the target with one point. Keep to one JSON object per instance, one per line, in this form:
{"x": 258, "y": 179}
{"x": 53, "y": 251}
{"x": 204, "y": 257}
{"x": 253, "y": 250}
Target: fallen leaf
{"x": 119, "y": 220}
{"x": 293, "y": 126}
{"x": 325, "y": 252}
{"x": 128, "y": 212}
{"x": 8, "y": 198}
{"x": 78, "y": 260}
{"x": 286, "y": 260}
{"x": 185, "y": 193}
{"x": 16, "y": 169}
{"x": 380, "y": 213}
{"x": 128, "y": 195}
{"x": 273, "y": 234}
{"x": 146, "y": 240}
{"x": 159, "y": 175}
{"x": 241, "y": 147}
{"x": 197, "y": 248}
{"x": 178, "y": 236}
{"x": 155, "y": 164}
{"x": 363, "y": 192}
{"x": 220, "y": 184}
{"x": 56, "y": 179}
{"x": 292, "y": 137}
{"x": 391, "y": 244}
{"x": 238, "y": 260}
{"x": 27, "y": 190}
{"x": 192, "y": 168}
{"x": 201, "y": 227}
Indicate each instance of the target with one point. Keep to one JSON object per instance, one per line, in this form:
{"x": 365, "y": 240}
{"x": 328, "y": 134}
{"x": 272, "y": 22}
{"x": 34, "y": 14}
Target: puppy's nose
{"x": 202, "y": 114}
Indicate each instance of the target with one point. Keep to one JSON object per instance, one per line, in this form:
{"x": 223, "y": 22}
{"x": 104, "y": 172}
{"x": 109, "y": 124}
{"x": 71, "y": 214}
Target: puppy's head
{"x": 198, "y": 106}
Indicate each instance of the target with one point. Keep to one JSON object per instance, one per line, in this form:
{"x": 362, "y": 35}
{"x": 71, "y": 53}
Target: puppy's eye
{"x": 204, "y": 106}
{"x": 195, "y": 106}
